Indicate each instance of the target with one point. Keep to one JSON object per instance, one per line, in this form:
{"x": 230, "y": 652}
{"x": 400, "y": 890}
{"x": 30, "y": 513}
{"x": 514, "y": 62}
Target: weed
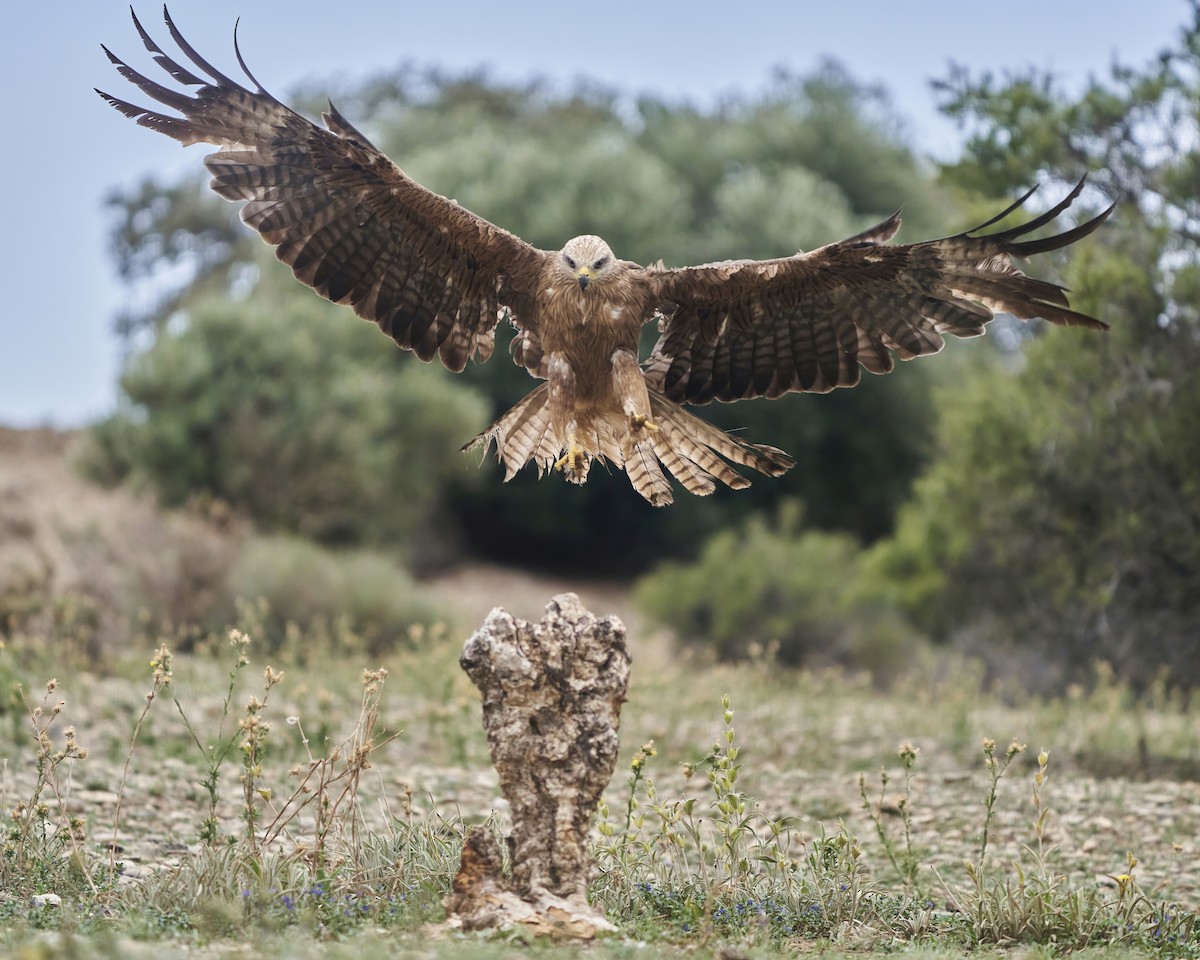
{"x": 44, "y": 845}
{"x": 330, "y": 783}
{"x": 733, "y": 873}
{"x": 215, "y": 754}
{"x": 905, "y": 862}
{"x": 1034, "y": 903}
{"x": 162, "y": 680}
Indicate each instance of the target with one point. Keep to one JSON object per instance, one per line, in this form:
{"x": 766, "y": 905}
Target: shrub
{"x": 779, "y": 590}
{"x": 1057, "y": 524}
{"x": 306, "y": 422}
{"x": 301, "y": 587}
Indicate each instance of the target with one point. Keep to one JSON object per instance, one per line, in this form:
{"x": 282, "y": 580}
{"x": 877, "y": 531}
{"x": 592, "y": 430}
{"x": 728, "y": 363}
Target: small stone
{"x": 46, "y": 900}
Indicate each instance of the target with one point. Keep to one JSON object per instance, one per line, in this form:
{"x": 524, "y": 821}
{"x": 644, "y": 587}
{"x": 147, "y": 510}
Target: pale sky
{"x": 63, "y": 148}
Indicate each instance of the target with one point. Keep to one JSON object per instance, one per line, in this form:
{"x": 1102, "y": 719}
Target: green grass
{"x": 313, "y": 806}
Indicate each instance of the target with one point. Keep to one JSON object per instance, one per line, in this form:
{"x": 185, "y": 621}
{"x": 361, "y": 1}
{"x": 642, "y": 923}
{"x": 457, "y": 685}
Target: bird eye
{"x": 600, "y": 264}
{"x": 570, "y": 261}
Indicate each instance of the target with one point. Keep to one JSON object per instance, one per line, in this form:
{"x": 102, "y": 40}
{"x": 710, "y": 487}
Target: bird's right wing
{"x": 810, "y": 322}
{"x": 347, "y": 220}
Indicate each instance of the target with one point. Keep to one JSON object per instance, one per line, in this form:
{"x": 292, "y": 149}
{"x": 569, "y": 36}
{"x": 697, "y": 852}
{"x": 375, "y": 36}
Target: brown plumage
{"x": 438, "y": 279}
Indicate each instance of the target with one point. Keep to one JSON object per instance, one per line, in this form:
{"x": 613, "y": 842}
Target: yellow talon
{"x": 639, "y": 421}
{"x": 575, "y": 459}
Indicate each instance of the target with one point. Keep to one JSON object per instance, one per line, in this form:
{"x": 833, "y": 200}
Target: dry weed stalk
{"x": 161, "y": 665}
{"x": 330, "y": 783}
{"x": 29, "y": 838}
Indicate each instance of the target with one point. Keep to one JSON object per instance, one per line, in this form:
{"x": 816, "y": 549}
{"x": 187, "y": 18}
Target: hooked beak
{"x": 583, "y": 276}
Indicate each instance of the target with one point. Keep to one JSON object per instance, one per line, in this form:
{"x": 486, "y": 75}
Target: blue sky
{"x": 64, "y": 149}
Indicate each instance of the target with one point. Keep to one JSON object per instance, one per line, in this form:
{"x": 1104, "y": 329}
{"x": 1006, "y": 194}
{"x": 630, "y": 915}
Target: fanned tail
{"x": 523, "y": 434}
{"x": 695, "y": 453}
{"x": 691, "y": 450}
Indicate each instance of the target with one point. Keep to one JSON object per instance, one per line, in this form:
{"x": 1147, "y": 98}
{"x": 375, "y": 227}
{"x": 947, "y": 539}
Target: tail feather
{"x": 548, "y": 449}
{"x": 522, "y": 434}
{"x": 693, "y": 451}
{"x": 609, "y": 445}
{"x": 695, "y": 479}
{"x": 699, "y": 467}
{"x": 646, "y": 474}
{"x": 765, "y": 459}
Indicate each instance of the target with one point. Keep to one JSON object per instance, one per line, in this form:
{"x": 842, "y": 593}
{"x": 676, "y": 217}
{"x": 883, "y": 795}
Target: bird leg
{"x": 561, "y": 377}
{"x": 631, "y": 388}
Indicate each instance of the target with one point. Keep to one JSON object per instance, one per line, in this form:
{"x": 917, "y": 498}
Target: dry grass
{"x": 222, "y": 797}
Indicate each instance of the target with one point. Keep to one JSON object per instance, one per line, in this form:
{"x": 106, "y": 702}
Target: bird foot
{"x": 639, "y": 421}
{"x": 574, "y": 461}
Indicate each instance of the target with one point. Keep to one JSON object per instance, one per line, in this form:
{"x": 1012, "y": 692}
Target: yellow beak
{"x": 583, "y": 275}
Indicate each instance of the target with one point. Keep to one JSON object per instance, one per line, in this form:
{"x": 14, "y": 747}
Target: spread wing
{"x": 347, "y": 220}
{"x": 809, "y": 322}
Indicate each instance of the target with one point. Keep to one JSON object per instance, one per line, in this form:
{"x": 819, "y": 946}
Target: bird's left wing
{"x": 808, "y": 323}
{"x": 347, "y": 220}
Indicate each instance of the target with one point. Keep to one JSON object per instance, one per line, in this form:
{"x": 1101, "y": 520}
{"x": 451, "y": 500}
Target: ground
{"x": 805, "y": 738}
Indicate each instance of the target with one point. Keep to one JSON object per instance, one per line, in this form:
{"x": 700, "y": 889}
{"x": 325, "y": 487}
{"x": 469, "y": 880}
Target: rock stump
{"x": 552, "y": 696}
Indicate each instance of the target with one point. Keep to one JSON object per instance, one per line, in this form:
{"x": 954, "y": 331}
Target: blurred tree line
{"x": 1057, "y": 521}
{"x": 1037, "y": 503}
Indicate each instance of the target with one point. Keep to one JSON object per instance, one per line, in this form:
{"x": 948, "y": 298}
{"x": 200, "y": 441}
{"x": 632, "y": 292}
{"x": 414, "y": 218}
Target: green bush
{"x": 777, "y": 590}
{"x": 355, "y": 597}
{"x": 1057, "y": 525}
{"x": 294, "y": 413}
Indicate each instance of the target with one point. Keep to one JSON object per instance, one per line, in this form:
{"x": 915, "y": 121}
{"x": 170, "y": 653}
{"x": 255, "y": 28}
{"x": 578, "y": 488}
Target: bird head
{"x": 587, "y": 260}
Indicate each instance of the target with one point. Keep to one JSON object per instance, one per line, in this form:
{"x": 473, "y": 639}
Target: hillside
{"x": 74, "y": 555}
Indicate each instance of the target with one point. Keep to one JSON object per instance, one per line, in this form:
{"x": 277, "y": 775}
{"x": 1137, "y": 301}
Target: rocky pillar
{"x": 552, "y": 695}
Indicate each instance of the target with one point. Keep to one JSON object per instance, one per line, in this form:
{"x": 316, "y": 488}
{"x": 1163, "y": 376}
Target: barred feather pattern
{"x": 348, "y": 221}
{"x": 812, "y": 322}
{"x": 691, "y": 450}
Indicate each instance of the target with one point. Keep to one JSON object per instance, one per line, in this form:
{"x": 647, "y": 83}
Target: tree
{"x": 1061, "y": 516}
{"x": 292, "y": 417}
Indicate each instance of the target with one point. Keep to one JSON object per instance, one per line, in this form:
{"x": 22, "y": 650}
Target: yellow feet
{"x": 639, "y": 421}
{"x": 575, "y": 460}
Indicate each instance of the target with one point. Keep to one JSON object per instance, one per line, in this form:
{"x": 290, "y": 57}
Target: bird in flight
{"x": 438, "y": 279}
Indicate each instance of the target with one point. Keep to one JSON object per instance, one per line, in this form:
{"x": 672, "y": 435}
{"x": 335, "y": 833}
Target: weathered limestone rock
{"x": 552, "y": 695}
